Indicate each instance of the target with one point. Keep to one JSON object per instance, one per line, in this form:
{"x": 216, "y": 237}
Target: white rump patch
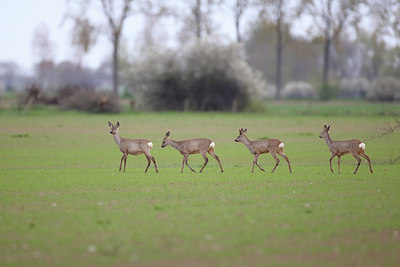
{"x": 362, "y": 146}
{"x": 281, "y": 145}
{"x": 150, "y": 145}
{"x": 212, "y": 145}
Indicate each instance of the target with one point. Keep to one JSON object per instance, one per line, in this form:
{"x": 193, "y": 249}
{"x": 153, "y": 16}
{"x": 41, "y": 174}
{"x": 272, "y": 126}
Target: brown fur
{"x": 340, "y": 148}
{"x": 192, "y": 146}
{"x": 132, "y": 146}
{"x": 258, "y": 147}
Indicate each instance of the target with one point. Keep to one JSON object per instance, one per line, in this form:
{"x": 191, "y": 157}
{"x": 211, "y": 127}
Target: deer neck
{"x": 246, "y": 142}
{"x": 328, "y": 139}
{"x": 175, "y": 144}
{"x": 117, "y": 138}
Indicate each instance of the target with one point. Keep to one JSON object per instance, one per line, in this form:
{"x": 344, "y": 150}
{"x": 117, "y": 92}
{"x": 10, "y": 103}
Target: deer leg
{"x": 150, "y": 158}
{"x": 277, "y": 161}
{"x": 330, "y": 161}
{"x": 148, "y": 163}
{"x": 212, "y": 153}
{"x": 125, "y": 157}
{"x": 338, "y": 164}
{"x": 205, "y": 161}
{"x": 358, "y": 164}
{"x": 183, "y": 163}
{"x": 369, "y": 161}
{"x": 286, "y": 158}
{"x": 120, "y": 165}
{"x": 186, "y": 161}
{"x": 255, "y": 161}
{"x": 154, "y": 162}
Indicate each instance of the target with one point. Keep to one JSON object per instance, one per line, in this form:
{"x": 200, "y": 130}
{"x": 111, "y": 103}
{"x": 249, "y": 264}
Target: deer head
{"x": 166, "y": 140}
{"x": 325, "y": 131}
{"x": 114, "y": 128}
{"x": 241, "y": 136}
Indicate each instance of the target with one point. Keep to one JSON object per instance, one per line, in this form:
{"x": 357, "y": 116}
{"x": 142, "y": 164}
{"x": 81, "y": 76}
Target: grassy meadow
{"x": 63, "y": 201}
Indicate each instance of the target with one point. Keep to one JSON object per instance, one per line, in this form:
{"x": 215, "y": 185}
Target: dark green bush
{"x": 205, "y": 76}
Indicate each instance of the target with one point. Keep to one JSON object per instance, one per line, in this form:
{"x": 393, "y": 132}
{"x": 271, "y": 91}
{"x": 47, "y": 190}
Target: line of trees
{"x": 318, "y": 41}
{"x": 329, "y": 19}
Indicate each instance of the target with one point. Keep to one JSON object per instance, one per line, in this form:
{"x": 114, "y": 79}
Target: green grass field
{"x": 63, "y": 201}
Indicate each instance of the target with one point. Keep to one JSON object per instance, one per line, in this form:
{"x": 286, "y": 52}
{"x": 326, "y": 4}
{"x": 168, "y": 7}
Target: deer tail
{"x": 212, "y": 145}
{"x": 361, "y": 146}
{"x": 150, "y": 144}
{"x": 281, "y": 145}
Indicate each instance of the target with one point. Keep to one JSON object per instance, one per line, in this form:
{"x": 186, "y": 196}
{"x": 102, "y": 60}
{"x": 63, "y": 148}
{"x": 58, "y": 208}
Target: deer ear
{"x": 245, "y": 130}
{"x": 117, "y": 124}
{"x": 110, "y": 124}
{"x": 167, "y": 133}
{"x": 328, "y": 127}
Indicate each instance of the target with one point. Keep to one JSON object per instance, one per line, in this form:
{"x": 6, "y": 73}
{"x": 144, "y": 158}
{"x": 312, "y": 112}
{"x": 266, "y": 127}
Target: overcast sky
{"x": 20, "y": 18}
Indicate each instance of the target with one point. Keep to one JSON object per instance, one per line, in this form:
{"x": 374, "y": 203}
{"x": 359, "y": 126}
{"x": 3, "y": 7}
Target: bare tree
{"x": 84, "y": 36}
{"x": 154, "y": 13}
{"x": 115, "y": 14}
{"x": 42, "y": 46}
{"x": 283, "y": 14}
{"x": 386, "y": 15}
{"x": 329, "y": 19}
{"x": 115, "y": 22}
{"x": 238, "y": 9}
{"x": 198, "y": 17}
{"x": 43, "y": 50}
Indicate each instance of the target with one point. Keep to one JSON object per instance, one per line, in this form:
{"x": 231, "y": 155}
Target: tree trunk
{"x": 237, "y": 25}
{"x": 326, "y": 62}
{"x": 197, "y": 14}
{"x": 325, "y": 91}
{"x": 279, "y": 48}
{"x": 115, "y": 65}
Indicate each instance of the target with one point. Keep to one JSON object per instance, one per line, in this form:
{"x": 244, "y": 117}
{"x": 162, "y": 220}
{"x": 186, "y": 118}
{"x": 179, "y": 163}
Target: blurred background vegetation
{"x": 298, "y": 49}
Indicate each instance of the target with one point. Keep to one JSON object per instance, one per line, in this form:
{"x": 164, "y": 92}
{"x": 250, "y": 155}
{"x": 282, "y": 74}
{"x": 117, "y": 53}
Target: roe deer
{"x": 132, "y": 146}
{"x": 257, "y": 147}
{"x": 192, "y": 146}
{"x": 340, "y": 148}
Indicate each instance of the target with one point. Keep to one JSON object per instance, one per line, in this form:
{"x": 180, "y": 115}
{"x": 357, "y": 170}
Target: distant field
{"x": 63, "y": 201}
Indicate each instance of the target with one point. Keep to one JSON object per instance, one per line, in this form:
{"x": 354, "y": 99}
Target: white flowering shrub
{"x": 354, "y": 88}
{"x": 204, "y": 76}
{"x": 156, "y": 81}
{"x": 298, "y": 90}
{"x": 385, "y": 89}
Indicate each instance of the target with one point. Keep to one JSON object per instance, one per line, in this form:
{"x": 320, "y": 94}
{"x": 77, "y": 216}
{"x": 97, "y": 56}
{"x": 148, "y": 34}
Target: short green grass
{"x": 63, "y": 201}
